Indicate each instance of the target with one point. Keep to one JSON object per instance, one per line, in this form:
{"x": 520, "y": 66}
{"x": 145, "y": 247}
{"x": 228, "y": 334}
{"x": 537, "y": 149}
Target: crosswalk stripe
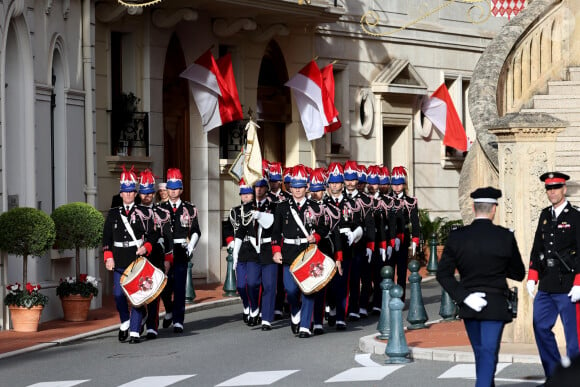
{"x": 466, "y": 371}
{"x": 364, "y": 359}
{"x": 157, "y": 381}
{"x": 361, "y": 374}
{"x": 59, "y": 383}
{"x": 262, "y": 378}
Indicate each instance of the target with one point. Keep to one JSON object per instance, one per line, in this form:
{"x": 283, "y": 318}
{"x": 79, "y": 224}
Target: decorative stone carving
{"x": 223, "y": 29}
{"x": 18, "y": 7}
{"x": 365, "y": 111}
{"x": 168, "y": 18}
{"x": 266, "y": 34}
{"x": 111, "y": 12}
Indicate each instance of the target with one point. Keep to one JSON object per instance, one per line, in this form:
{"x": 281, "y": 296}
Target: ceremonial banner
{"x": 252, "y": 165}
{"x": 328, "y": 95}
{"x": 439, "y": 109}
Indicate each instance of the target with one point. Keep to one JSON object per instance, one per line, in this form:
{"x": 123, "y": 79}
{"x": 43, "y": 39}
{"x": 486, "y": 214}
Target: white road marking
{"x": 467, "y": 371}
{"x": 363, "y": 374}
{"x": 60, "y": 383}
{"x": 263, "y": 378}
{"x": 364, "y": 359}
{"x": 157, "y": 381}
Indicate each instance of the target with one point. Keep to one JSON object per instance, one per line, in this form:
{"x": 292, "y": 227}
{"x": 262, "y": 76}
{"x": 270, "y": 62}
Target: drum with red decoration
{"x": 312, "y": 270}
{"x": 142, "y": 282}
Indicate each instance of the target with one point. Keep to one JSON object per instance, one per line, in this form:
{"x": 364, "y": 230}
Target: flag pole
{"x": 312, "y": 154}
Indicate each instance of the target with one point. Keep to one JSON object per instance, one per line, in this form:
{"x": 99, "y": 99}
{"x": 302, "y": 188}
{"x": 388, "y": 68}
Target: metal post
{"x": 448, "y": 309}
{"x": 397, "y": 349}
{"x": 432, "y": 265}
{"x": 230, "y": 282}
{"x": 189, "y": 290}
{"x": 384, "y": 324}
{"x": 417, "y": 314}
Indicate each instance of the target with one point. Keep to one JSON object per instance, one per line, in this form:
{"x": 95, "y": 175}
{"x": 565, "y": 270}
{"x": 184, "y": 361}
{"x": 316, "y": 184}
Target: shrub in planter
{"x": 78, "y": 225}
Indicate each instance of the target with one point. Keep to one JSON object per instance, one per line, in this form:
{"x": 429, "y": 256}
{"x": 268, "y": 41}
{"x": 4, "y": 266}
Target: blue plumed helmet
{"x": 299, "y": 176}
{"x": 174, "y": 179}
{"x": 275, "y": 171}
{"x": 128, "y": 180}
{"x": 398, "y": 175}
{"x": 335, "y": 173}
{"x": 362, "y": 174}
{"x": 244, "y": 188}
{"x": 263, "y": 182}
{"x": 317, "y": 180}
{"x": 351, "y": 170}
{"x": 373, "y": 172}
{"x": 384, "y": 176}
{"x": 146, "y": 182}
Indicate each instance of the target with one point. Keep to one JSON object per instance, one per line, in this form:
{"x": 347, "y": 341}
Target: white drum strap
{"x": 299, "y": 222}
{"x": 130, "y": 230}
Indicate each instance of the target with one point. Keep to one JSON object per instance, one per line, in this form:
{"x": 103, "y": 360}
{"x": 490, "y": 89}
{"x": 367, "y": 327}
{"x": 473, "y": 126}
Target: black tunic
{"x": 485, "y": 255}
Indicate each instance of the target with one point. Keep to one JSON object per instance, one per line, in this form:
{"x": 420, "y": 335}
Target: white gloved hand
{"x": 191, "y": 245}
{"x": 574, "y": 293}
{"x": 389, "y": 252}
{"x": 161, "y": 242}
{"x": 189, "y": 249}
{"x": 235, "y": 261}
{"x": 349, "y": 237}
{"x": 397, "y": 244}
{"x": 383, "y": 254}
{"x": 476, "y": 301}
{"x": 358, "y": 233}
{"x": 369, "y": 254}
{"x": 256, "y": 214}
{"x": 414, "y": 247}
{"x": 531, "y": 286}
{"x": 230, "y": 245}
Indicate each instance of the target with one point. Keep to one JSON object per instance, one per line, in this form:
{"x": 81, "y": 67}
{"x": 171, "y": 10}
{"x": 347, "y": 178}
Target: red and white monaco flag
{"x": 328, "y": 95}
{"x": 211, "y": 91}
{"x": 308, "y": 85}
{"x": 439, "y": 109}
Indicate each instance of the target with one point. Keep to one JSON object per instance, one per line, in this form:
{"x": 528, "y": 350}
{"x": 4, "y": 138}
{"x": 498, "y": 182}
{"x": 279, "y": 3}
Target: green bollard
{"x": 417, "y": 314}
{"x": 230, "y": 282}
{"x": 432, "y": 265}
{"x": 397, "y": 349}
{"x": 189, "y": 290}
{"x": 448, "y": 310}
{"x": 384, "y": 324}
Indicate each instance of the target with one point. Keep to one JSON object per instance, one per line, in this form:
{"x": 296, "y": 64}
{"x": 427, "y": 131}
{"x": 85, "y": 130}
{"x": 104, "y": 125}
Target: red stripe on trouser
{"x": 347, "y": 293}
{"x": 578, "y": 322}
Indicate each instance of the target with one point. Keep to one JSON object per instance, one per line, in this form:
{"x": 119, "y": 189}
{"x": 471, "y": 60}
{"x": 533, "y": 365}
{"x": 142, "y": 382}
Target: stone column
{"x": 526, "y": 149}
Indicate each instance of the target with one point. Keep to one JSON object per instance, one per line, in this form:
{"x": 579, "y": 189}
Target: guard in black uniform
{"x": 407, "y": 226}
{"x": 291, "y": 237}
{"x": 554, "y": 262}
{"x": 129, "y": 232}
{"x": 186, "y": 234}
{"x": 162, "y": 254}
{"x": 485, "y": 255}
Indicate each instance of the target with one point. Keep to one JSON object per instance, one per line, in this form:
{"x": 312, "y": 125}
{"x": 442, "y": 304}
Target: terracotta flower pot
{"x": 76, "y": 307}
{"x": 25, "y": 319}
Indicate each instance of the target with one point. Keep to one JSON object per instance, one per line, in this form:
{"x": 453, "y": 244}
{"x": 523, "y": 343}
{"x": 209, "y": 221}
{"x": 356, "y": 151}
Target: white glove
{"x": 414, "y": 247}
{"x": 161, "y": 242}
{"x": 349, "y": 237}
{"x": 265, "y": 219}
{"x": 397, "y": 244}
{"x": 389, "y": 252}
{"x": 230, "y": 245}
{"x": 574, "y": 293}
{"x": 191, "y": 245}
{"x": 237, "y": 245}
{"x": 235, "y": 263}
{"x": 256, "y": 214}
{"x": 476, "y": 301}
{"x": 369, "y": 254}
{"x": 358, "y": 233}
{"x": 383, "y": 254}
{"x": 531, "y": 286}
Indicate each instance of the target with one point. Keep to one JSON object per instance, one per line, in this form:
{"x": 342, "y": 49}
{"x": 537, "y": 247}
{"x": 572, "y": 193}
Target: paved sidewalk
{"x": 445, "y": 341}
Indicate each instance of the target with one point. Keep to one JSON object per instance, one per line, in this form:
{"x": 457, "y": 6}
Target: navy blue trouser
{"x": 340, "y": 284}
{"x": 248, "y": 280}
{"x": 179, "y": 282}
{"x": 135, "y": 316}
{"x": 547, "y": 307}
{"x": 356, "y": 267}
{"x": 485, "y": 338}
{"x": 294, "y": 295}
{"x": 269, "y": 282}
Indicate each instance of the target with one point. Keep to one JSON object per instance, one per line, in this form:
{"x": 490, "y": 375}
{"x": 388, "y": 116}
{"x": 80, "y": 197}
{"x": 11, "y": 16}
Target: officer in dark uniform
{"x": 407, "y": 226}
{"x": 554, "y": 262}
{"x": 248, "y": 272}
{"x": 129, "y": 232}
{"x": 186, "y": 234}
{"x": 362, "y": 248}
{"x": 289, "y": 240}
{"x": 162, "y": 254}
{"x": 485, "y": 255}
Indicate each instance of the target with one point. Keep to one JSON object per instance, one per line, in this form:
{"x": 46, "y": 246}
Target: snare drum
{"x": 312, "y": 270}
{"x": 142, "y": 282}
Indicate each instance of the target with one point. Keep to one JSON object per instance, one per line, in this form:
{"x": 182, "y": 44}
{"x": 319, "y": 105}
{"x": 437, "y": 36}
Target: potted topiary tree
{"x": 78, "y": 225}
{"x": 25, "y": 231}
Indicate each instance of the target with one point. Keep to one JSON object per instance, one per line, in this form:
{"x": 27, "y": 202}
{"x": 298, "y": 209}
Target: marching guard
{"x": 241, "y": 229}
{"x": 298, "y": 222}
{"x": 129, "y": 232}
{"x": 162, "y": 254}
{"x": 407, "y": 226}
{"x": 186, "y": 234}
